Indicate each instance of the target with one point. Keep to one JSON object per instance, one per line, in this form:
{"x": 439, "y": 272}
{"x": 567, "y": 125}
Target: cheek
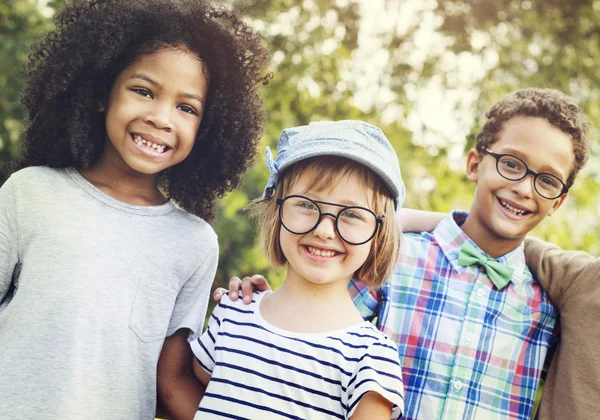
{"x": 188, "y": 131}
{"x": 286, "y": 239}
{"x": 361, "y": 253}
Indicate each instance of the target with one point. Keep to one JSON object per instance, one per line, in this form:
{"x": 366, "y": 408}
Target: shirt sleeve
{"x": 379, "y": 371}
{"x": 560, "y": 273}
{"x": 365, "y": 299}
{"x": 203, "y": 347}
{"x": 191, "y": 304}
{"x": 9, "y": 238}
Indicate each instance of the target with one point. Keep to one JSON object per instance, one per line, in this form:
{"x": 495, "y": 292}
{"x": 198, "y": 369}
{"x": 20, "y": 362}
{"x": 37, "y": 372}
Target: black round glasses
{"x": 514, "y": 169}
{"x": 356, "y": 225}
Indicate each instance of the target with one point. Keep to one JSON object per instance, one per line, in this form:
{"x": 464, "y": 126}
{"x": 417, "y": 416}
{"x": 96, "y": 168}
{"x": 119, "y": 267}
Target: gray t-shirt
{"x": 90, "y": 287}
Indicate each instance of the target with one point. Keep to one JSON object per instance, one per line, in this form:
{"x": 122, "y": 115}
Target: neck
{"x": 115, "y": 178}
{"x": 301, "y": 306}
{"x": 314, "y": 294}
{"x": 490, "y": 243}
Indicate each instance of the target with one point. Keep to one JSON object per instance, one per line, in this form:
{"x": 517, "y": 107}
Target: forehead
{"x": 544, "y": 147}
{"x": 343, "y": 187}
{"x": 171, "y": 67}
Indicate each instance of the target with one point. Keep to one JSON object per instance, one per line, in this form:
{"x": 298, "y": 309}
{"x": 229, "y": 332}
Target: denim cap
{"x": 354, "y": 140}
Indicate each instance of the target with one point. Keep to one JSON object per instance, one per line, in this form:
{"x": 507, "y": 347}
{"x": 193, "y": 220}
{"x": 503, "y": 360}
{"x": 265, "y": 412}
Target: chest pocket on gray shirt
{"x": 151, "y": 311}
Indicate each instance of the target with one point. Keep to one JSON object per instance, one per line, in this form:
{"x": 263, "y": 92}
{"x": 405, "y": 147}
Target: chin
{"x": 509, "y": 232}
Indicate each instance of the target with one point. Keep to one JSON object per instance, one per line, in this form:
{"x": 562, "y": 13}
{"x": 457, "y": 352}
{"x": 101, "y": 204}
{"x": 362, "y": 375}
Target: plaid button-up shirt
{"x": 468, "y": 350}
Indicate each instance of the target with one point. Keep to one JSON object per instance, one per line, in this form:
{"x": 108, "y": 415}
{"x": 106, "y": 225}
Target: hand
{"x": 247, "y": 284}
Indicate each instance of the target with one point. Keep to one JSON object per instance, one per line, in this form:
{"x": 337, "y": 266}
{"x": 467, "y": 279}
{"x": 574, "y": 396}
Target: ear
{"x": 557, "y": 203}
{"x": 473, "y": 162}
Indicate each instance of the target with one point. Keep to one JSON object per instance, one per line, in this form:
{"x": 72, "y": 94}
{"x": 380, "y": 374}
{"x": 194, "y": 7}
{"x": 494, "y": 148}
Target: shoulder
{"x": 194, "y": 228}
{"x": 416, "y": 247}
{"x": 378, "y": 337}
{"x": 238, "y": 305}
{"x": 370, "y": 336}
{"x": 417, "y": 239}
{"x": 34, "y": 174}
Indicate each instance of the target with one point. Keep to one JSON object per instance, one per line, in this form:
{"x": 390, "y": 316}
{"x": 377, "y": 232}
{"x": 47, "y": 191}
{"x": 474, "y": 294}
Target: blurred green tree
{"x": 21, "y": 22}
{"x": 319, "y": 63}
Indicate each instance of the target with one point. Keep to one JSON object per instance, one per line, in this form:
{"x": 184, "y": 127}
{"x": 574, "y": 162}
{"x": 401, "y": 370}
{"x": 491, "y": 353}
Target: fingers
{"x": 234, "y": 287}
{"x": 218, "y": 293}
{"x": 247, "y": 289}
{"x": 260, "y": 283}
{"x": 247, "y": 284}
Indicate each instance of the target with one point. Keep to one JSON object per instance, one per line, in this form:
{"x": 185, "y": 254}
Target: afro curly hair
{"x": 73, "y": 70}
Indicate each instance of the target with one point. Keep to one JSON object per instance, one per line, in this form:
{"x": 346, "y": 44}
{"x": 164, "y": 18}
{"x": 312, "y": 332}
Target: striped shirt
{"x": 468, "y": 350}
{"x": 262, "y": 372}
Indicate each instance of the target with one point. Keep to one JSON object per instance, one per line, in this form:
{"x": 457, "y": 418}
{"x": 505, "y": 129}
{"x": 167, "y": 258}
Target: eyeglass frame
{"x": 528, "y": 171}
{"x": 378, "y": 219}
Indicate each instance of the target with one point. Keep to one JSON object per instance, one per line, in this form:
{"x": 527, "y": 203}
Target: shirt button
{"x": 457, "y": 385}
{"x": 469, "y": 337}
{"x": 480, "y": 292}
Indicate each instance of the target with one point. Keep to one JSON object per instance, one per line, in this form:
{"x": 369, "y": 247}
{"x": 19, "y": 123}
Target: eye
{"x": 305, "y": 204}
{"x": 351, "y": 214}
{"x": 187, "y": 109}
{"x": 143, "y": 92}
{"x": 511, "y": 164}
{"x": 548, "y": 180}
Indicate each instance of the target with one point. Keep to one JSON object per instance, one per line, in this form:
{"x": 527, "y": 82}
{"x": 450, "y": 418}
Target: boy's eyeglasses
{"x": 355, "y": 225}
{"x": 514, "y": 169}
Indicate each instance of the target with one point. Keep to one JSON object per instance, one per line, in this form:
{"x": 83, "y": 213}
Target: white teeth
{"x": 143, "y": 142}
{"x": 321, "y": 252}
{"x": 512, "y": 209}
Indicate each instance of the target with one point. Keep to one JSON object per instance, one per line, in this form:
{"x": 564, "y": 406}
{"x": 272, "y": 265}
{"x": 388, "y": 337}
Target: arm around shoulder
{"x": 557, "y": 270}
{"x": 411, "y": 220}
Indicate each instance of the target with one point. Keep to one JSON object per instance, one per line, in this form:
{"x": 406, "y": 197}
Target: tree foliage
{"x": 315, "y": 45}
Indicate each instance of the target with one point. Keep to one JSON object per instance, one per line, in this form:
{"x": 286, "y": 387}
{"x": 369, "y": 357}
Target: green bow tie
{"x": 500, "y": 274}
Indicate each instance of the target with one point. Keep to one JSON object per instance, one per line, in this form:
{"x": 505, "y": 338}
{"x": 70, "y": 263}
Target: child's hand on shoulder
{"x": 248, "y": 285}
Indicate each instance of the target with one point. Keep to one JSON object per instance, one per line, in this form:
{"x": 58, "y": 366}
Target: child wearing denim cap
{"x": 471, "y": 323}
{"x": 304, "y": 351}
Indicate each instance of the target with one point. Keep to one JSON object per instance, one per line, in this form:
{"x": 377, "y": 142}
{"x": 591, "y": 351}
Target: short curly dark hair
{"x": 552, "y": 105}
{"x": 73, "y": 70}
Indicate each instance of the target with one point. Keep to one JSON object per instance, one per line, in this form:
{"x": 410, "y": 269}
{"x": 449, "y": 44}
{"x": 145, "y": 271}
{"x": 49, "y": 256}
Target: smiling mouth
{"x": 328, "y": 253}
{"x": 513, "y": 210}
{"x": 158, "y": 148}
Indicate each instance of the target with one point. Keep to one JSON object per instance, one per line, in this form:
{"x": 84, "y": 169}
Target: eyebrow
{"x": 153, "y": 82}
{"x": 342, "y": 203}
{"x": 545, "y": 169}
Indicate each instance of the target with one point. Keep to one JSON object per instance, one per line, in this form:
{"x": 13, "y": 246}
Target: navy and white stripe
{"x": 261, "y": 372}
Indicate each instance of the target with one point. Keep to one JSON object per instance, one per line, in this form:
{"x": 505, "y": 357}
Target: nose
{"x": 524, "y": 187}
{"x": 159, "y": 116}
{"x": 326, "y": 227}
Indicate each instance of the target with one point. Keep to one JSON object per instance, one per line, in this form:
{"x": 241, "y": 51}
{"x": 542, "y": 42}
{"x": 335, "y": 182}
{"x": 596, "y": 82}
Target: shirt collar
{"x": 450, "y": 237}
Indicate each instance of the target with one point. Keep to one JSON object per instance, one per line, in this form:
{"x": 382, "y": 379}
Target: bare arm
{"x": 372, "y": 406}
{"x": 418, "y": 220}
{"x": 179, "y": 392}
{"x": 202, "y": 375}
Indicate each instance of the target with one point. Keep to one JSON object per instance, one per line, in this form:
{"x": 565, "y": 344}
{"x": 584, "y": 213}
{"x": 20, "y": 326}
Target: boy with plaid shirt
{"x": 472, "y": 325}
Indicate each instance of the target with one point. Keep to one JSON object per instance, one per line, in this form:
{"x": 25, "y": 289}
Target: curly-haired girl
{"x": 134, "y": 106}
